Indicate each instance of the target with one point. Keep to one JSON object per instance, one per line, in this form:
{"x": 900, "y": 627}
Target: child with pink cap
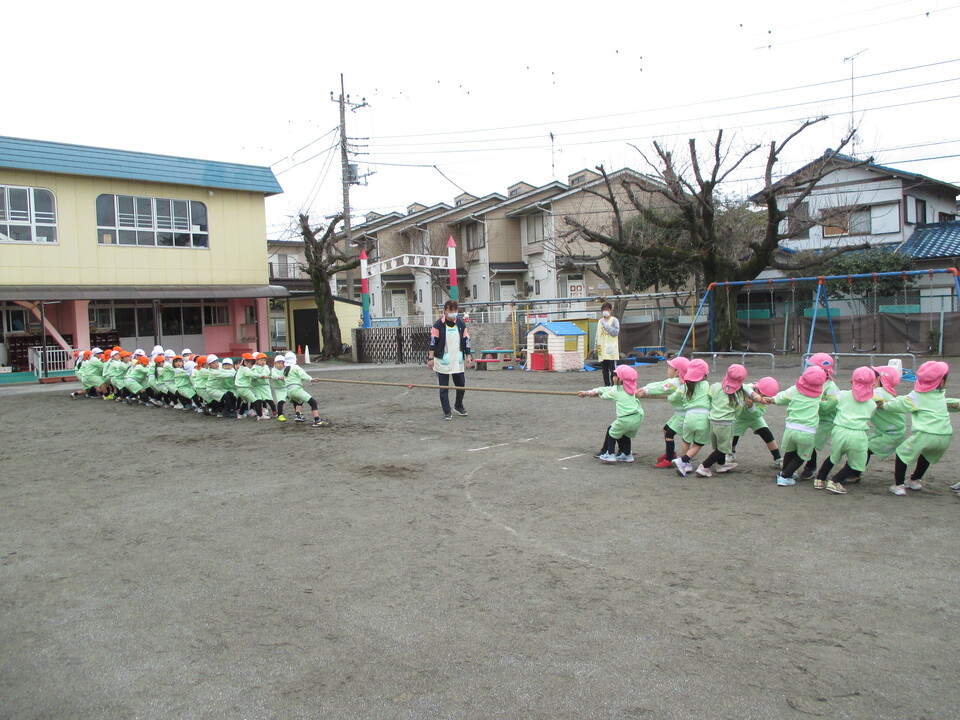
{"x": 855, "y": 407}
{"x": 629, "y": 414}
{"x": 930, "y": 425}
{"x": 751, "y": 417}
{"x": 828, "y": 411}
{"x": 889, "y": 428}
{"x": 727, "y": 399}
{"x": 695, "y": 397}
{"x": 675, "y": 371}
{"x": 803, "y": 415}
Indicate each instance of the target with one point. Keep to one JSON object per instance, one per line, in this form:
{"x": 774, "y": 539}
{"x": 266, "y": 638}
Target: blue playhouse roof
{"x": 936, "y": 240}
{"x": 559, "y": 328}
{"x": 61, "y": 158}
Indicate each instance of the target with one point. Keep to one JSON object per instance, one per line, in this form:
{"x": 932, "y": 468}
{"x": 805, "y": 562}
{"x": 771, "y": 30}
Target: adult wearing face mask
{"x": 449, "y": 355}
{"x": 608, "y": 346}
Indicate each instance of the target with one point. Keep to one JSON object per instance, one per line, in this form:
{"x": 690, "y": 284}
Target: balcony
{"x": 289, "y": 275}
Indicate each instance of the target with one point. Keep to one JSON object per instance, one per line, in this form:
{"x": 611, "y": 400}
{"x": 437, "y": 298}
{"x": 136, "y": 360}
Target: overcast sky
{"x": 465, "y": 96}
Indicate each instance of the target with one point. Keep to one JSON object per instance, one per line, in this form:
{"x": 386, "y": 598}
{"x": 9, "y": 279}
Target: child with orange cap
{"x": 250, "y": 406}
{"x": 136, "y": 381}
{"x": 674, "y": 425}
{"x": 84, "y": 367}
{"x": 855, "y": 407}
{"x": 931, "y": 429}
{"x": 803, "y": 416}
{"x": 695, "y": 396}
{"x": 727, "y": 399}
{"x": 828, "y": 411}
{"x": 261, "y": 386}
{"x": 629, "y": 413}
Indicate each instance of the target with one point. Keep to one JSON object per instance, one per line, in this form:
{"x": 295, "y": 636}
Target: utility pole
{"x": 851, "y": 59}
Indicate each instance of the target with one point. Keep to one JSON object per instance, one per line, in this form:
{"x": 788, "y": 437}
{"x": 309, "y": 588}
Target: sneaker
{"x": 704, "y": 472}
{"x": 299, "y": 418}
{"x": 778, "y": 463}
{"x": 726, "y": 467}
{"x": 318, "y": 423}
{"x": 597, "y": 455}
{"x": 448, "y": 416}
{"x": 682, "y": 467}
{"x": 265, "y": 416}
{"x": 607, "y": 458}
{"x": 281, "y": 418}
{"x": 913, "y": 485}
{"x": 461, "y": 411}
{"x": 666, "y": 463}
{"x": 808, "y": 473}
{"x": 729, "y": 458}
{"x": 624, "y": 457}
{"x": 178, "y": 406}
{"x": 898, "y": 490}
{"x": 108, "y": 397}
{"x": 854, "y": 480}
{"x": 661, "y": 459}
{"x": 836, "y": 487}
{"x": 955, "y": 487}
{"x": 818, "y": 484}
{"x": 785, "y": 481}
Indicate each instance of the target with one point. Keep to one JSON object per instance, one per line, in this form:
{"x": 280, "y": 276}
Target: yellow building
{"x": 142, "y": 249}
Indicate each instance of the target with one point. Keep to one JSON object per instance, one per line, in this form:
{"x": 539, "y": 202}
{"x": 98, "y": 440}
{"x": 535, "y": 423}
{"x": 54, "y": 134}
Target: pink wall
{"x": 218, "y": 339}
{"x": 225, "y": 339}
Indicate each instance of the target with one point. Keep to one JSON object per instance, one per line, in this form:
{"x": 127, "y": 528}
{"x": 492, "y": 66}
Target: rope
{"x": 453, "y": 387}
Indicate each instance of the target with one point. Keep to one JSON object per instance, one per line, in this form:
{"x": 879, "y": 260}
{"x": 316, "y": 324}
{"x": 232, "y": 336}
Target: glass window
{"x": 170, "y": 321}
{"x": 125, "y": 320}
{"x": 474, "y": 232}
{"x": 101, "y": 317}
{"x": 27, "y": 215}
{"x": 192, "y": 324}
{"x": 533, "y": 228}
{"x": 216, "y": 315}
{"x": 145, "y": 326}
{"x": 158, "y": 222}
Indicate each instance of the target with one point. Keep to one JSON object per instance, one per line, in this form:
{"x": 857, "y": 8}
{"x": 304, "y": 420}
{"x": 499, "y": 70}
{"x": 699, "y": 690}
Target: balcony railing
{"x": 287, "y": 271}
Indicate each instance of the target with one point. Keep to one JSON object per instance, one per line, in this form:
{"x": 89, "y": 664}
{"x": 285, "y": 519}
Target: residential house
{"x": 144, "y": 249}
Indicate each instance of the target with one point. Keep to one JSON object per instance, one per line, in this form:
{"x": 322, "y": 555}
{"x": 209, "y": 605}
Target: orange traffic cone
{"x": 299, "y": 351}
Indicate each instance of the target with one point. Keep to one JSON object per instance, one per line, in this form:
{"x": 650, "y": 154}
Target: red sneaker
{"x": 664, "y": 463}
{"x": 662, "y": 457}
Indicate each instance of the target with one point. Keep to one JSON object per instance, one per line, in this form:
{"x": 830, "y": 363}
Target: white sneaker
{"x": 729, "y": 458}
{"x": 178, "y": 406}
{"x": 913, "y": 485}
{"x": 785, "y": 481}
{"x": 955, "y": 487}
{"x": 726, "y": 467}
{"x": 607, "y": 458}
{"x": 682, "y": 467}
{"x": 898, "y": 490}
{"x": 778, "y": 463}
{"x": 704, "y": 472}
{"x": 623, "y": 457}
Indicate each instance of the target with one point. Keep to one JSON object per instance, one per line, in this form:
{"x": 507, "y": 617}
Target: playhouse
{"x": 556, "y": 346}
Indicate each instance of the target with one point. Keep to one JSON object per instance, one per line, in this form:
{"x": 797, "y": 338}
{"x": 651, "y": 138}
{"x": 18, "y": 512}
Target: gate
{"x": 393, "y": 344}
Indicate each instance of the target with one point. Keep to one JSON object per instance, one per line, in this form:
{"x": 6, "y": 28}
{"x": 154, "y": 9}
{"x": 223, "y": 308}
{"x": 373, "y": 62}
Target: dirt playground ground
{"x": 160, "y": 564}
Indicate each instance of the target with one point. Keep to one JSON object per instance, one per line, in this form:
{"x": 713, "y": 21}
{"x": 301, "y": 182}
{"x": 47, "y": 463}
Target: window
{"x": 125, "y": 321}
{"x": 921, "y": 211}
{"x": 474, "y": 292}
{"x": 145, "y": 324}
{"x": 475, "y": 237}
{"x": 846, "y": 221}
{"x": 171, "y": 322}
{"x": 16, "y": 320}
{"x": 151, "y": 222}
{"x": 27, "y": 214}
{"x": 216, "y": 315}
{"x": 532, "y": 228}
{"x": 946, "y": 217}
{"x": 536, "y": 286}
{"x": 798, "y": 222}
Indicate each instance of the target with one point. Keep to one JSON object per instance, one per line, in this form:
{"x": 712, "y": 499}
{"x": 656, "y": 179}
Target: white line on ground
{"x": 569, "y": 457}
{"x": 485, "y": 447}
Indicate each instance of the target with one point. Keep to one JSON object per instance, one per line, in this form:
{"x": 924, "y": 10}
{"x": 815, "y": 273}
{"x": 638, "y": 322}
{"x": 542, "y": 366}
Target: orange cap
{"x": 261, "y": 355}
{"x": 176, "y": 357}
{"x": 105, "y": 356}
{"x": 77, "y": 353}
{"x": 124, "y": 353}
{"x": 248, "y": 356}
{"x": 86, "y": 354}
{"x": 159, "y": 359}
{"x": 143, "y": 360}
{"x": 200, "y": 360}
{"x": 117, "y": 348}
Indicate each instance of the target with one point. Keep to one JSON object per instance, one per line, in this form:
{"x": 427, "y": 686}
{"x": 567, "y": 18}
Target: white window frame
{"x": 534, "y": 228}
{"x": 144, "y": 219}
{"x": 41, "y": 224}
{"x": 475, "y": 235}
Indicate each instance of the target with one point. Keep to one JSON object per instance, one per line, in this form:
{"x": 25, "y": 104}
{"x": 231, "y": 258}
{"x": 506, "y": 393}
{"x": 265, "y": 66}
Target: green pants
{"x": 696, "y": 429}
{"x": 799, "y": 442}
{"x": 628, "y": 425}
{"x": 932, "y": 447}
{"x": 851, "y": 444}
{"x": 721, "y": 438}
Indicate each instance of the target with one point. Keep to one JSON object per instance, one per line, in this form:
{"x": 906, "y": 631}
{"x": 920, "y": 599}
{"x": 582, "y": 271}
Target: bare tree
{"x": 324, "y": 261}
{"x": 723, "y": 238}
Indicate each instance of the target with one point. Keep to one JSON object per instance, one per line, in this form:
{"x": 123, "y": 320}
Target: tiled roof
{"x": 559, "y": 328}
{"x": 61, "y": 158}
{"x": 936, "y": 240}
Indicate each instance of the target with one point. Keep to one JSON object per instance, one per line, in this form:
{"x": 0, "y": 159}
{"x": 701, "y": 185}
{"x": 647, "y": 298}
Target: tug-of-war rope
{"x": 471, "y": 388}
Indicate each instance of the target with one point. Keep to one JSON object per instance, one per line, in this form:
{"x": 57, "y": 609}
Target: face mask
{"x": 606, "y": 313}
{"x": 452, "y": 316}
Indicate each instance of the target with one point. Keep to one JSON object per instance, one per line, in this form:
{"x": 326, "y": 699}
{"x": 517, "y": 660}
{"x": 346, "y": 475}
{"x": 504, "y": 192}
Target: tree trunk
{"x": 327, "y": 313}
{"x": 726, "y": 332}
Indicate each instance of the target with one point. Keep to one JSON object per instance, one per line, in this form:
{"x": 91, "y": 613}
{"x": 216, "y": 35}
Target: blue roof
{"x": 64, "y": 159}
{"x": 936, "y": 240}
{"x": 559, "y": 328}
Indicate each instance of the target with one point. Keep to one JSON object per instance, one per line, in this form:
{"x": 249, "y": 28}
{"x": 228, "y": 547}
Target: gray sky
{"x": 476, "y": 90}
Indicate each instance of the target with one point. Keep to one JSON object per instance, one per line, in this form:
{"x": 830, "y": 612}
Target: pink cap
{"x": 733, "y": 378}
{"x": 679, "y": 363}
{"x": 930, "y": 374}
{"x": 824, "y": 361}
{"x": 767, "y": 386}
{"x": 863, "y": 383}
{"x": 889, "y": 377}
{"x": 696, "y": 370}
{"x": 629, "y": 377}
{"x": 811, "y": 382}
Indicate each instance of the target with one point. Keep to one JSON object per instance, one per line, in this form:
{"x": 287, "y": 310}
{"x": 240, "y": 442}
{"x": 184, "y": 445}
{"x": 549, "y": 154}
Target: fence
{"x": 392, "y": 344}
{"x": 55, "y": 359}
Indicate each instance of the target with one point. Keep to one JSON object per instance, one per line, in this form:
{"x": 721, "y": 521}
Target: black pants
{"x": 608, "y": 367}
{"x": 443, "y": 379}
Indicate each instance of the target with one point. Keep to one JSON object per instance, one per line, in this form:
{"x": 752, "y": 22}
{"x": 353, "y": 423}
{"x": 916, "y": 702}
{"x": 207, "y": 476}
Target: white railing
{"x": 56, "y": 359}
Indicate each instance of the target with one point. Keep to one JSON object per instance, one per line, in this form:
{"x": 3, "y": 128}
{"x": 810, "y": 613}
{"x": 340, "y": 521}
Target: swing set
{"x": 821, "y": 298}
